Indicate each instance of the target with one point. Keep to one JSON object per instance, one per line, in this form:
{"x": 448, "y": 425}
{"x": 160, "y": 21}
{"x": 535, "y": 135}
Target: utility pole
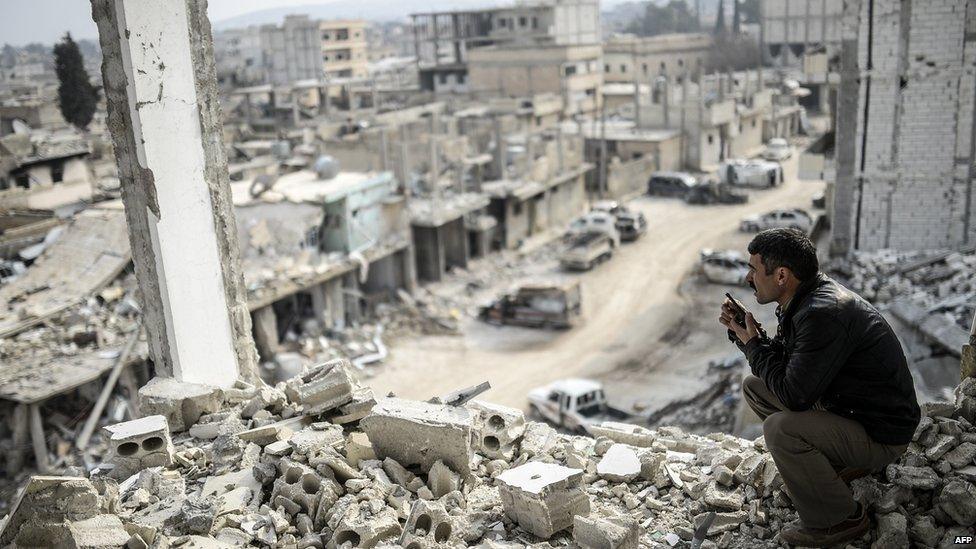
{"x": 603, "y": 147}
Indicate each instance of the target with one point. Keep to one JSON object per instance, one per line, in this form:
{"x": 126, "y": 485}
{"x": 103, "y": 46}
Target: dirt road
{"x": 646, "y": 339}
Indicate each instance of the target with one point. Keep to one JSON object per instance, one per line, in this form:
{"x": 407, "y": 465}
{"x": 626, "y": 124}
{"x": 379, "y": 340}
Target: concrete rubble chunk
{"x": 356, "y": 409}
{"x": 619, "y": 464}
{"x": 961, "y": 455}
{"x": 37, "y": 516}
{"x": 362, "y": 526}
{"x": 892, "y": 531}
{"x": 442, "y": 480}
{"x": 100, "y": 531}
{"x": 593, "y": 532}
{"x": 958, "y": 500}
{"x": 723, "y": 498}
{"x": 542, "y": 497}
{"x": 429, "y": 525}
{"x": 181, "y": 403}
{"x": 624, "y": 433}
{"x": 498, "y": 429}
{"x": 421, "y": 433}
{"x": 921, "y": 478}
{"x": 323, "y": 388}
{"x": 724, "y": 522}
{"x": 358, "y": 448}
{"x": 138, "y": 444}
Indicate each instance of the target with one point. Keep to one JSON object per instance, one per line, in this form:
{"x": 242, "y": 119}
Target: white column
{"x": 160, "y": 83}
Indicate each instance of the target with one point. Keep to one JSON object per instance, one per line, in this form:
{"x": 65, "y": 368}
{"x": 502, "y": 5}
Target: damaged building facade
{"x": 905, "y": 127}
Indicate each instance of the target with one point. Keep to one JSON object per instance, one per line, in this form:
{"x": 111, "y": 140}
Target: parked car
{"x": 537, "y": 305}
{"x": 595, "y": 222}
{"x": 586, "y": 250}
{"x": 777, "y": 149}
{"x": 573, "y": 404}
{"x": 671, "y": 184}
{"x": 611, "y": 207}
{"x": 724, "y": 266}
{"x": 819, "y": 201}
{"x": 752, "y": 173}
{"x": 631, "y": 225}
{"x": 713, "y": 192}
{"x": 795, "y": 218}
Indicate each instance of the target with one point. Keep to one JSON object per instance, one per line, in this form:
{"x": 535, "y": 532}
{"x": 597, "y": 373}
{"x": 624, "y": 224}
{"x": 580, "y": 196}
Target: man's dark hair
{"x": 790, "y": 248}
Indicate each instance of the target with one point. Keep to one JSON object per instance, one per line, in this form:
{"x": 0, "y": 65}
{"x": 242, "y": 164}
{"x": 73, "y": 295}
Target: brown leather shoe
{"x": 852, "y": 528}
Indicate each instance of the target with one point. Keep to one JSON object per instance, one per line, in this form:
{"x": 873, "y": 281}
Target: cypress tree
{"x": 77, "y": 97}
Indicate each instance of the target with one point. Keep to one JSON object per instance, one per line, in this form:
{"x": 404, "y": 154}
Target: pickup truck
{"x": 586, "y": 250}
{"x": 554, "y": 305}
{"x": 573, "y": 404}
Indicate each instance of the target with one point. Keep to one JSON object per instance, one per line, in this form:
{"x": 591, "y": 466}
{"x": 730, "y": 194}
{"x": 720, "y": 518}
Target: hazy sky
{"x": 23, "y": 21}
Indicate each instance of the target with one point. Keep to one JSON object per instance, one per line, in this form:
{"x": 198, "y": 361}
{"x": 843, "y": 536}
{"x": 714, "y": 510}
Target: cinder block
{"x": 138, "y": 444}
{"x": 498, "y": 429}
{"x": 542, "y": 497}
{"x": 325, "y": 387}
{"x": 421, "y": 433}
{"x": 429, "y": 525}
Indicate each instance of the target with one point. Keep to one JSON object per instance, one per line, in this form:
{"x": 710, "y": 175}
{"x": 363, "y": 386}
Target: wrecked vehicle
{"x": 537, "y": 305}
{"x": 677, "y": 184}
{"x": 724, "y": 266}
{"x": 751, "y": 173}
{"x": 631, "y": 225}
{"x": 713, "y": 192}
{"x": 611, "y": 207}
{"x": 777, "y": 149}
{"x": 595, "y": 222}
{"x": 573, "y": 404}
{"x": 791, "y": 218}
{"x": 586, "y": 251}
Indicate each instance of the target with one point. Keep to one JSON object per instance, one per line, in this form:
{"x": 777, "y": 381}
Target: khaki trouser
{"x": 810, "y": 448}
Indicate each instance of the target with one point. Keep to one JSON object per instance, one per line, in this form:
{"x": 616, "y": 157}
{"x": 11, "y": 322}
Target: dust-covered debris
{"x": 264, "y": 479}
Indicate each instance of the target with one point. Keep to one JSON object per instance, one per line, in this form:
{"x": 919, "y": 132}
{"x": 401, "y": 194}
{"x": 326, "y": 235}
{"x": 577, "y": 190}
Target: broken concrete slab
{"x": 619, "y": 464}
{"x": 594, "y": 532}
{"x": 421, "y": 433}
{"x": 442, "y": 480}
{"x": 542, "y": 497}
{"x": 181, "y": 403}
{"x": 100, "y": 531}
{"x": 624, "y": 433}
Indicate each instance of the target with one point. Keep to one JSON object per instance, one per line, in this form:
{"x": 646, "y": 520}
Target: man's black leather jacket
{"x": 835, "y": 348}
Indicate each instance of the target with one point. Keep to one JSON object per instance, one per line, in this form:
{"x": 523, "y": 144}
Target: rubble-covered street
{"x": 642, "y": 325}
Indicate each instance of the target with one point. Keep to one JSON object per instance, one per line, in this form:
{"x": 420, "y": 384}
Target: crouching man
{"x": 832, "y": 387}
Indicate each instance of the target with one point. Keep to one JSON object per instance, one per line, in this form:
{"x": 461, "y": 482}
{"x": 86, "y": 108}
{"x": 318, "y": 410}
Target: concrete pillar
{"x": 266, "y": 332}
{"x": 320, "y": 302}
{"x": 296, "y": 115}
{"x": 336, "y": 310}
{"x": 429, "y": 253}
{"x": 164, "y": 117}
{"x": 247, "y": 108}
{"x": 352, "y": 295}
{"x": 455, "y": 240}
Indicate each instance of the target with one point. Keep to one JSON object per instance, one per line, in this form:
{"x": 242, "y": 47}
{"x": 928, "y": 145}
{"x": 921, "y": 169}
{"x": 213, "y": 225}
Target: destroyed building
{"x": 904, "y": 134}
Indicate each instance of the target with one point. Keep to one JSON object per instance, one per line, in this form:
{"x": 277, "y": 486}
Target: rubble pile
{"x": 317, "y": 462}
{"x": 100, "y": 321}
{"x": 714, "y": 409}
{"x": 942, "y": 284}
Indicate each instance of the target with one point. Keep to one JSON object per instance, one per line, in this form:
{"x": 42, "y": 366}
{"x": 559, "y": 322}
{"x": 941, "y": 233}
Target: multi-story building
{"x": 905, "y": 127}
{"x": 344, "y": 48}
{"x": 805, "y": 36}
{"x": 443, "y": 41}
{"x": 572, "y": 72}
{"x": 627, "y": 57}
{"x": 298, "y": 49}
